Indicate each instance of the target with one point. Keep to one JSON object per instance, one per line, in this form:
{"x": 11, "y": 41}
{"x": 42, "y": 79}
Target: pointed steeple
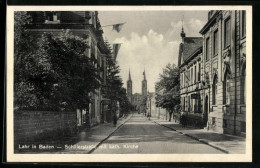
{"x": 182, "y": 31}
{"x": 144, "y": 75}
{"x": 129, "y": 77}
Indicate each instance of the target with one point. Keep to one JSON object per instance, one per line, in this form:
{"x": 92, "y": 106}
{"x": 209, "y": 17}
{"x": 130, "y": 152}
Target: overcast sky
{"x": 150, "y": 40}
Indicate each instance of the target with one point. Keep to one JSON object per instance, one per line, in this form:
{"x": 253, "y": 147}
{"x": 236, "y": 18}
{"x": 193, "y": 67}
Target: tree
{"x": 51, "y": 72}
{"x": 75, "y": 75}
{"x": 113, "y": 89}
{"x": 23, "y": 60}
{"x": 167, "y": 88}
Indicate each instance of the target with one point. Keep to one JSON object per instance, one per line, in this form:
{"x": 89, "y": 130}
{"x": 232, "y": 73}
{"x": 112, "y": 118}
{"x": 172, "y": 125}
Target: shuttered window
{"x": 227, "y": 34}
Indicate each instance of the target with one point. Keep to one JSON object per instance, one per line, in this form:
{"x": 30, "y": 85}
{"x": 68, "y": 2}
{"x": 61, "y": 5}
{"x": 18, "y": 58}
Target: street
{"x": 140, "y": 135}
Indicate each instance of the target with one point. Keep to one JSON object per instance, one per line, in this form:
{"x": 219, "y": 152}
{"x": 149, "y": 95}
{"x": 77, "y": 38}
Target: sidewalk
{"x": 223, "y": 142}
{"x": 89, "y": 140}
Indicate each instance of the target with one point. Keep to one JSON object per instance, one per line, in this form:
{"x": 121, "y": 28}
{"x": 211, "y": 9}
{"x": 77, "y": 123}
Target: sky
{"x": 150, "y": 40}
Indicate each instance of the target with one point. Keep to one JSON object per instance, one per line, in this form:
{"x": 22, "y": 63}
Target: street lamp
{"x": 149, "y": 106}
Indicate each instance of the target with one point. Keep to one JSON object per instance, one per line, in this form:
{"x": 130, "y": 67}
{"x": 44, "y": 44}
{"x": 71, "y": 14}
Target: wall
{"x": 43, "y": 126}
{"x": 226, "y": 117}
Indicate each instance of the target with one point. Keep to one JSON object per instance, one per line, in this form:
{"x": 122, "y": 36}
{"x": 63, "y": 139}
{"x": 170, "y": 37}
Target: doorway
{"x": 206, "y": 111}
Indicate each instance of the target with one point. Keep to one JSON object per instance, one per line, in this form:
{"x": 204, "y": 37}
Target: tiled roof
{"x": 190, "y": 45}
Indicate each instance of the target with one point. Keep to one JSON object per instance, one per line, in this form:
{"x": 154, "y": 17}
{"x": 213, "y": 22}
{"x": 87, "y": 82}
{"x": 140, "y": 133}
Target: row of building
{"x": 213, "y": 73}
{"x": 86, "y": 25}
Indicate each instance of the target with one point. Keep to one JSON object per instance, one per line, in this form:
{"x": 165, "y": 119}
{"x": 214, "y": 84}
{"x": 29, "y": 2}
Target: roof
{"x": 209, "y": 23}
{"x": 188, "y": 48}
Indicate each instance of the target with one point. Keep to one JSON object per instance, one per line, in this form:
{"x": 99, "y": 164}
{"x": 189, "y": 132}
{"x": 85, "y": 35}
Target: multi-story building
{"x": 191, "y": 87}
{"x": 84, "y": 24}
{"x": 224, "y": 71}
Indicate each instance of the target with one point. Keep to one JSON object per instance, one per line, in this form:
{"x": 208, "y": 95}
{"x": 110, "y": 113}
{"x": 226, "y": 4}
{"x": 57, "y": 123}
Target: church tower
{"x": 144, "y": 86}
{"x": 129, "y": 88}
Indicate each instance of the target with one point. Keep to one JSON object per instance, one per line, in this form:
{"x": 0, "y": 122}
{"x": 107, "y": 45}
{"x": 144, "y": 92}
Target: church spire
{"x": 129, "y": 77}
{"x": 182, "y": 31}
{"x": 144, "y": 75}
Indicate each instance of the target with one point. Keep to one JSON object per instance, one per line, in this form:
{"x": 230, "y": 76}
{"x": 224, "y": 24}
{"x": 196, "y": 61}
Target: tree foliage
{"x": 113, "y": 89}
{"x": 168, "y": 88}
{"x": 51, "y": 72}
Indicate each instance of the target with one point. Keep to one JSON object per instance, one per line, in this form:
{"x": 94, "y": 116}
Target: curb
{"x": 93, "y": 149}
{"x": 195, "y": 138}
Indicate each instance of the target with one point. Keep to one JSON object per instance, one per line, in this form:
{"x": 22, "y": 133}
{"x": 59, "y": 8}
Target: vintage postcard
{"x": 129, "y": 83}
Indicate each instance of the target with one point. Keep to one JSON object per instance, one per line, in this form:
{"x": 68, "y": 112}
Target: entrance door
{"x": 206, "y": 111}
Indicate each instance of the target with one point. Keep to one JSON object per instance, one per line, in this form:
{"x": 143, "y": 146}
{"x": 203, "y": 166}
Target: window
{"x": 243, "y": 33}
{"x": 191, "y": 76}
{"x": 214, "y": 90}
{"x": 191, "y": 105}
{"x": 181, "y": 81}
{"x": 184, "y": 104}
{"x": 227, "y": 33}
{"x": 188, "y": 78}
{"x": 199, "y": 72}
{"x": 226, "y": 88}
{"x": 215, "y": 49}
{"x": 207, "y": 49}
{"x": 243, "y": 86}
{"x": 52, "y": 17}
{"x": 195, "y": 73}
{"x": 209, "y": 15}
{"x": 184, "y": 77}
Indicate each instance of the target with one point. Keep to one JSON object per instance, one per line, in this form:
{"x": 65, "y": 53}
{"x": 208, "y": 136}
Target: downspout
{"x": 235, "y": 115}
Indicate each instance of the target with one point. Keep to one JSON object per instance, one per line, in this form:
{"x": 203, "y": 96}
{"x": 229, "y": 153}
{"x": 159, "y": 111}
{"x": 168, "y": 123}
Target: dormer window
{"x": 52, "y": 17}
{"x": 210, "y": 14}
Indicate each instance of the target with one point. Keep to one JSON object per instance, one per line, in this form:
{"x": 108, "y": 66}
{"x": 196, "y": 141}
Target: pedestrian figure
{"x": 183, "y": 120}
{"x": 115, "y": 119}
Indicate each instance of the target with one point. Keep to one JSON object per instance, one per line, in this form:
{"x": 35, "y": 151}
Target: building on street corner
{"x": 86, "y": 25}
{"x": 191, "y": 88}
{"x": 213, "y": 74}
{"x": 224, "y": 71}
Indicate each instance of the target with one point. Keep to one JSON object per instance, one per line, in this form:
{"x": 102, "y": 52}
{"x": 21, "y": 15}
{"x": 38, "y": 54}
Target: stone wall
{"x": 43, "y": 126}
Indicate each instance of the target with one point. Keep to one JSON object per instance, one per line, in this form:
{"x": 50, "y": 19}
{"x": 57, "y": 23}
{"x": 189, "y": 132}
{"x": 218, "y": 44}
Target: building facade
{"x": 86, "y": 25}
{"x": 224, "y": 71}
{"x": 136, "y": 101}
{"x": 191, "y": 87}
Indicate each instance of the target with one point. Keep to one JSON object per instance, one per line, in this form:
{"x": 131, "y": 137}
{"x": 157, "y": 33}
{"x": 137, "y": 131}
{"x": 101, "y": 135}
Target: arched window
{"x": 214, "y": 90}
{"x": 226, "y": 88}
{"x": 243, "y": 85}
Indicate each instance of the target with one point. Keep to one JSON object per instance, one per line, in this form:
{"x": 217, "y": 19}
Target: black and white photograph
{"x": 129, "y": 84}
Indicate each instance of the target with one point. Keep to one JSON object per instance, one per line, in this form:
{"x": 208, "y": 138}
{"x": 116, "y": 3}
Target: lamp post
{"x": 149, "y": 106}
